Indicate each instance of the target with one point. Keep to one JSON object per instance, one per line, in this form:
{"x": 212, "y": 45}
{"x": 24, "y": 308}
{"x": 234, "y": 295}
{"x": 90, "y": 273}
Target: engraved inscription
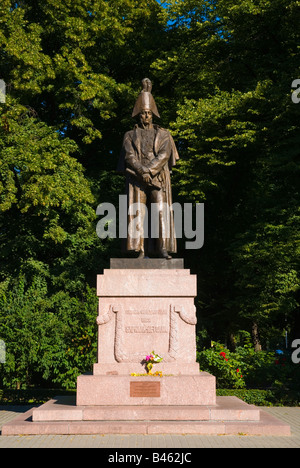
{"x": 140, "y": 329}
{"x": 146, "y": 321}
{"x": 148, "y": 329}
{"x": 146, "y": 312}
{"x": 145, "y": 389}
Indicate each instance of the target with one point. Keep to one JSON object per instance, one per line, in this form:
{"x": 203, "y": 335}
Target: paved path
{"x": 286, "y": 414}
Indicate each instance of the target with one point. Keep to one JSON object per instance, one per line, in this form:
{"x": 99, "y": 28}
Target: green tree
{"x": 50, "y": 339}
{"x": 222, "y": 74}
{"x": 69, "y": 88}
{"x": 45, "y": 198}
{"x": 232, "y": 67}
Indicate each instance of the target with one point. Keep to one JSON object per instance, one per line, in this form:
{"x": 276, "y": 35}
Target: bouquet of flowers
{"x": 151, "y": 359}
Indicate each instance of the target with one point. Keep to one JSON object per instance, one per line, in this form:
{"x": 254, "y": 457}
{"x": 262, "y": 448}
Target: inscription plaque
{"x": 152, "y": 317}
{"x": 145, "y": 389}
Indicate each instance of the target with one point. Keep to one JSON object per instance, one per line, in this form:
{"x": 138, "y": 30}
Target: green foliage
{"x": 222, "y": 74}
{"x": 224, "y": 365}
{"x": 263, "y": 369}
{"x": 49, "y": 338}
{"x": 31, "y": 396}
{"x": 65, "y": 65}
{"x": 260, "y": 397}
{"x": 239, "y": 145}
{"x": 37, "y": 170}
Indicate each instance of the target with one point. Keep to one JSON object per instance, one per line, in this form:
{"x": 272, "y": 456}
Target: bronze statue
{"x": 147, "y": 157}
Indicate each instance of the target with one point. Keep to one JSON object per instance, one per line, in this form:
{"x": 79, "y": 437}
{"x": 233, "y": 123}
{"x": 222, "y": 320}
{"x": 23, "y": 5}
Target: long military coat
{"x": 165, "y": 156}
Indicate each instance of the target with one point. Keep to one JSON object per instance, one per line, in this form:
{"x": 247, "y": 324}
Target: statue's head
{"x": 146, "y": 117}
{"x": 145, "y": 106}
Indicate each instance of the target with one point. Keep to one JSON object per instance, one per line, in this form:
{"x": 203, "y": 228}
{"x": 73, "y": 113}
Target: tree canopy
{"x": 222, "y": 74}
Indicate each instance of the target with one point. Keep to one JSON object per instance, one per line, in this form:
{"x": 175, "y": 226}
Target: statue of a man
{"x": 147, "y": 157}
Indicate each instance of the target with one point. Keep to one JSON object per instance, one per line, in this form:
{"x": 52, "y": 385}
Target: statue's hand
{"x": 147, "y": 178}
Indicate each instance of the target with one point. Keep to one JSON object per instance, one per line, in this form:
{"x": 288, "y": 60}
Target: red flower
{"x": 238, "y": 370}
{"x": 223, "y": 354}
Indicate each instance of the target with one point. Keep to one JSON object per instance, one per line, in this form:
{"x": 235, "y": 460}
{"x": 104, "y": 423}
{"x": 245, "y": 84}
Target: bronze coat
{"x": 166, "y": 154}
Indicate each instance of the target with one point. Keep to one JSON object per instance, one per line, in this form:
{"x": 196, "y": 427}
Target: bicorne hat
{"x": 145, "y": 100}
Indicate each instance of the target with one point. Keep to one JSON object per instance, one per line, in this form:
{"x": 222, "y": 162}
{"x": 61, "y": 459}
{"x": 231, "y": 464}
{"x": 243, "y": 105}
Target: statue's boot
{"x": 142, "y": 253}
{"x": 164, "y": 254}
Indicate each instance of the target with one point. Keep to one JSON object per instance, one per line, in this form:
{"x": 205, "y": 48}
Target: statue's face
{"x": 146, "y": 117}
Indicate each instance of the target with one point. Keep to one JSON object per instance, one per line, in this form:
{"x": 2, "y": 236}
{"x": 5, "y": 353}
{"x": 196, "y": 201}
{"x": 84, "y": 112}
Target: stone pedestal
{"x": 142, "y": 309}
{"x": 120, "y": 390}
{"x": 146, "y": 305}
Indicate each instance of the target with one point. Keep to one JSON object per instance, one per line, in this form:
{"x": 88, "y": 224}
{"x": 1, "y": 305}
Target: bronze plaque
{"x": 145, "y": 389}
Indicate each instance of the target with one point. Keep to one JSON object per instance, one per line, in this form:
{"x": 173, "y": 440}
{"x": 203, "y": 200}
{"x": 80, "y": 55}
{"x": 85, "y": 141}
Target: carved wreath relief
{"x": 166, "y": 323}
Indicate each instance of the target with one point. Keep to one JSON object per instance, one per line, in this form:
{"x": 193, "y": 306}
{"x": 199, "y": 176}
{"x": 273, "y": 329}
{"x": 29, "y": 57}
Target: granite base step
{"x": 227, "y": 408}
{"x": 229, "y": 416}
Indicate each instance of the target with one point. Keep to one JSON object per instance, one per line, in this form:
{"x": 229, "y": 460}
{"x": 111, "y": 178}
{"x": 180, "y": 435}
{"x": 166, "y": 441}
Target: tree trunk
{"x": 255, "y": 337}
{"x": 232, "y": 342}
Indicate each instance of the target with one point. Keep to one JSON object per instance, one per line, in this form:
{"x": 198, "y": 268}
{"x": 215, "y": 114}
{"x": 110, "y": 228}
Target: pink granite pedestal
{"x": 99, "y": 390}
{"x": 228, "y": 416}
{"x": 140, "y": 310}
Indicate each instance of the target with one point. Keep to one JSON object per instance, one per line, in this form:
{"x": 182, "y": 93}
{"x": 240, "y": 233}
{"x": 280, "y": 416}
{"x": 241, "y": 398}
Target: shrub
{"x": 261, "y": 369}
{"x": 259, "y": 397}
{"x": 224, "y": 365}
{"x": 50, "y": 339}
